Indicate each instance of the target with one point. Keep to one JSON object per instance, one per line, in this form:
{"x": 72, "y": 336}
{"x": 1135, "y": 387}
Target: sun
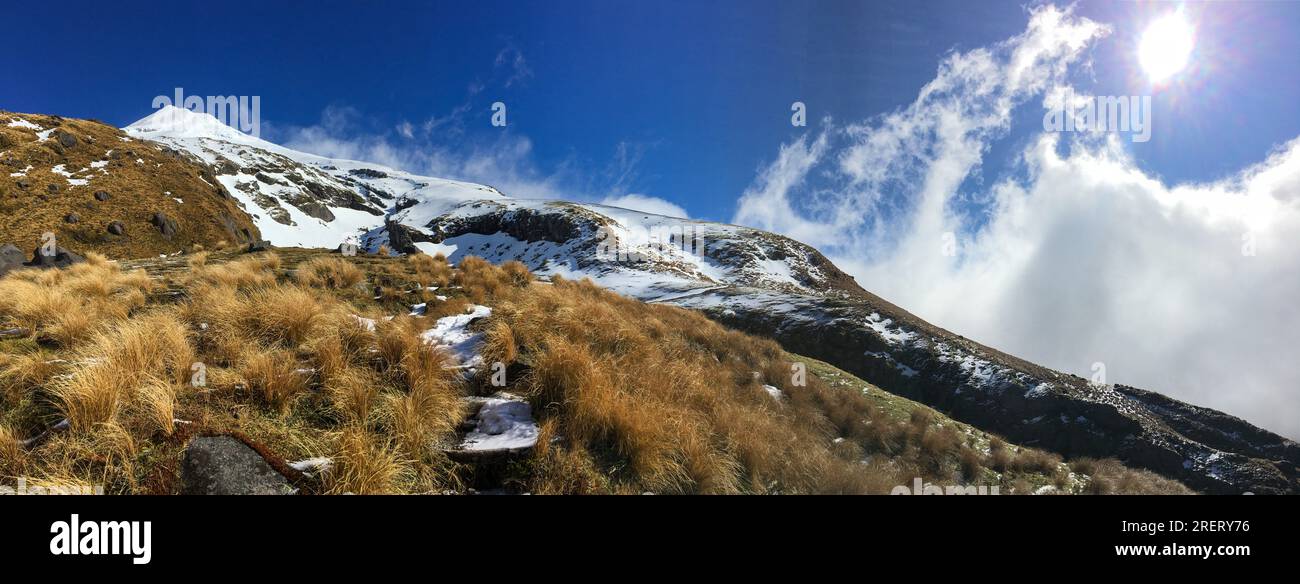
{"x": 1166, "y": 46}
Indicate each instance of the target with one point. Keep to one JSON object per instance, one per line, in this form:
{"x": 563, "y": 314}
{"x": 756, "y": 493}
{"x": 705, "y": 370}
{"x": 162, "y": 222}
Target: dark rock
{"x": 224, "y": 465}
{"x": 65, "y": 139}
{"x": 259, "y": 245}
{"x": 61, "y": 258}
{"x": 116, "y": 228}
{"x": 24, "y": 184}
{"x": 368, "y": 173}
{"x": 102, "y": 196}
{"x": 11, "y": 258}
{"x": 72, "y": 218}
{"x": 166, "y": 225}
{"x": 54, "y": 189}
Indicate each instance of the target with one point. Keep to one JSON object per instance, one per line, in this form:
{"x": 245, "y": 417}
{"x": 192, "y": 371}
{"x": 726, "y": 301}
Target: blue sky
{"x": 682, "y": 100}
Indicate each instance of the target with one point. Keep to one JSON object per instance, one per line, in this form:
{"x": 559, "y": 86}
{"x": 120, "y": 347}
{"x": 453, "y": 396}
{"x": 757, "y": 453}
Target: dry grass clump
{"x": 11, "y": 452}
{"x": 480, "y": 279}
{"x": 157, "y": 404}
{"x": 241, "y": 274}
{"x": 274, "y": 376}
{"x": 429, "y": 270}
{"x": 363, "y": 464}
{"x": 24, "y": 373}
{"x": 109, "y": 370}
{"x": 65, "y": 307}
{"x": 329, "y": 272}
{"x": 1110, "y": 477}
{"x": 353, "y": 394}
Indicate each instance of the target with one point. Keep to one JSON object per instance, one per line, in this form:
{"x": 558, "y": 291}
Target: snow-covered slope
{"x": 300, "y": 199}
{"x": 748, "y": 278}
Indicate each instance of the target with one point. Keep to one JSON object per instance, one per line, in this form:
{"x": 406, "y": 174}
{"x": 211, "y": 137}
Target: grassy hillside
{"x": 52, "y": 168}
{"x": 630, "y": 397}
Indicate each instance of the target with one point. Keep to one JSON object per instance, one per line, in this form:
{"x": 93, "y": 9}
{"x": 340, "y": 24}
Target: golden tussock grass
{"x": 363, "y": 464}
{"x": 330, "y": 273}
{"x": 109, "y": 368}
{"x": 66, "y": 306}
{"x": 274, "y": 376}
{"x": 21, "y": 374}
{"x": 156, "y": 399}
{"x": 353, "y": 393}
{"x": 430, "y": 270}
{"x": 630, "y": 397}
{"x": 11, "y": 452}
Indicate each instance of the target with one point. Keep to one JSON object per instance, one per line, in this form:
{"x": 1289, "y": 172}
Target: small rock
{"x": 101, "y": 196}
{"x": 72, "y": 218}
{"x": 116, "y": 228}
{"x": 223, "y": 465}
{"x": 259, "y": 245}
{"x": 24, "y": 184}
{"x": 54, "y": 189}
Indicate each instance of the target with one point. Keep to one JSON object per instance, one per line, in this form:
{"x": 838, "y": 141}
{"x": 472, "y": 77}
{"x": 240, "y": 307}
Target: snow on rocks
{"x": 893, "y": 336}
{"x": 313, "y": 466}
{"x": 503, "y": 423}
{"x": 21, "y": 123}
{"x": 453, "y": 334}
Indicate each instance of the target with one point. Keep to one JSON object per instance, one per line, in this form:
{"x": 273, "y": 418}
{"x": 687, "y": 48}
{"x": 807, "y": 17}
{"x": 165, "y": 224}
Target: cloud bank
{"x": 1079, "y": 256}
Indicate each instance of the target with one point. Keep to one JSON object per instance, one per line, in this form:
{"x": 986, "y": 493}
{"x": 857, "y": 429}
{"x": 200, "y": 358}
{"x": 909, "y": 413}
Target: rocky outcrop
{"x": 61, "y": 258}
{"x": 224, "y": 465}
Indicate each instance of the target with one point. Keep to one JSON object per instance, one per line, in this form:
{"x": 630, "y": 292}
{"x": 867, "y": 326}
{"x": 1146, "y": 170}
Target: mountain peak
{"x": 175, "y": 122}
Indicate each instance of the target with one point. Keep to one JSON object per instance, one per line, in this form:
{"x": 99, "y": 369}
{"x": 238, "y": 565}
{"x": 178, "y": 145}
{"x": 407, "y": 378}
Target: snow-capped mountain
{"x": 747, "y": 278}
{"x": 304, "y": 200}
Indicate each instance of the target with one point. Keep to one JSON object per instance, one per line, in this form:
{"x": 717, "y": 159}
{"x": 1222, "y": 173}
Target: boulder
{"x": 102, "y": 196}
{"x": 24, "y": 184}
{"x": 166, "y": 225}
{"x": 61, "y": 258}
{"x": 54, "y": 189}
{"x": 116, "y": 228}
{"x": 11, "y": 258}
{"x": 72, "y": 218}
{"x": 65, "y": 139}
{"x": 259, "y": 245}
{"x": 224, "y": 465}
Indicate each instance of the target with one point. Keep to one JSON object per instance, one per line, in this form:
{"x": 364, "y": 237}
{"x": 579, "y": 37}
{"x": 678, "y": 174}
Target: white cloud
{"x": 1082, "y": 257}
{"x": 646, "y": 204}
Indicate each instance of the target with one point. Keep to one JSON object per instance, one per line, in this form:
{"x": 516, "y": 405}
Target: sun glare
{"x": 1166, "y": 46}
